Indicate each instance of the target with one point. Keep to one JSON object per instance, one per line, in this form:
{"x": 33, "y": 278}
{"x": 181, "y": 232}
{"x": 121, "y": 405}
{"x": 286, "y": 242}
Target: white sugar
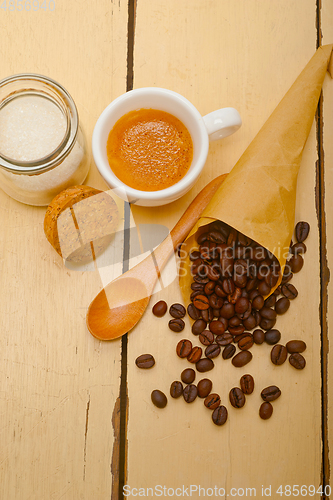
{"x": 31, "y": 127}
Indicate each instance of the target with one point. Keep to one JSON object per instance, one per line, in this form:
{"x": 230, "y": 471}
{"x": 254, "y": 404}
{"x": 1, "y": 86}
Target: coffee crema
{"x": 149, "y": 149}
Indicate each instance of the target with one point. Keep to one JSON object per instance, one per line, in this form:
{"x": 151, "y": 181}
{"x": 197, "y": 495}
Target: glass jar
{"x": 43, "y": 149}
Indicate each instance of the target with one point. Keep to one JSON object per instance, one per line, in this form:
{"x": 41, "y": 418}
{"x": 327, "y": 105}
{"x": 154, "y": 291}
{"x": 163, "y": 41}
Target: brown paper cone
{"x": 258, "y": 196}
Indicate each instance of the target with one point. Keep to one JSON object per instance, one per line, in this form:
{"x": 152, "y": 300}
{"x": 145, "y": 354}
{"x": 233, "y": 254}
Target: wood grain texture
{"x": 327, "y": 129}
{"x": 59, "y": 385}
{"x": 244, "y": 54}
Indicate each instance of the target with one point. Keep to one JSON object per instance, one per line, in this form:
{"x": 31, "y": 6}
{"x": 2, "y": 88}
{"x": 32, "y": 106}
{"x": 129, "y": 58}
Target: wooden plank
{"x": 326, "y": 14}
{"x": 244, "y": 54}
{"x": 59, "y": 385}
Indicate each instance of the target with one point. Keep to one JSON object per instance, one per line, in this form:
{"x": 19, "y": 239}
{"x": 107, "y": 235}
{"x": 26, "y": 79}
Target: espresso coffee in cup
{"x": 149, "y": 149}
{"x": 202, "y": 129}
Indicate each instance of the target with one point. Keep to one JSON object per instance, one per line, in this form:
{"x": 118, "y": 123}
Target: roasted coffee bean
{"x": 240, "y": 267}
{"x": 257, "y": 318}
{"x": 296, "y": 263}
{"x": 246, "y": 342}
{"x": 194, "y": 294}
{"x": 204, "y": 365}
{"x": 194, "y": 255}
{"x": 289, "y": 291}
{"x": 195, "y": 354}
{"x": 190, "y": 393}
{"x": 222, "y": 228}
{"x": 271, "y": 301}
{"x": 298, "y": 248}
{"x": 297, "y": 361}
{"x": 241, "y": 359}
{"x": 253, "y": 294}
{"x": 250, "y": 322}
{"x": 176, "y": 325}
{"x": 184, "y": 347}
{"x": 277, "y": 291}
{"x": 176, "y": 389}
{"x": 270, "y": 393}
{"x": 265, "y": 411}
{"x": 224, "y": 339}
{"x": 203, "y": 237}
{"x": 287, "y": 275}
{"x": 279, "y": 354}
{"x": 209, "y": 287}
{"x": 282, "y": 305}
{"x": 219, "y": 291}
{"x": 237, "y": 294}
{"x": 267, "y": 324}
{"x": 240, "y": 281}
{"x": 244, "y": 315}
{"x": 234, "y": 321}
{"x": 247, "y": 384}
{"x": 302, "y": 231}
{"x": 217, "y": 327}
{"x": 252, "y": 284}
{"x": 228, "y": 310}
{"x": 258, "y": 253}
{"x": 145, "y": 361}
{"x": 220, "y": 415}
{"x": 258, "y": 337}
{"x": 159, "y": 398}
{"x": 177, "y": 311}
{"x": 216, "y": 313}
{"x": 228, "y": 351}
{"x": 204, "y": 387}
{"x": 201, "y": 302}
{"x": 258, "y": 302}
{"x": 197, "y": 287}
{"x": 205, "y": 250}
{"x": 236, "y": 397}
{"x": 271, "y": 279}
{"x": 225, "y": 322}
{"x": 206, "y": 337}
{"x": 228, "y": 286}
{"x": 205, "y": 315}
{"x": 212, "y": 273}
{"x": 160, "y": 308}
{"x": 272, "y": 337}
{"x": 268, "y": 313}
{"x": 198, "y": 326}
{"x": 212, "y": 351}
{"x": 188, "y": 376}
{"x": 232, "y": 238}
{"x": 236, "y": 330}
{"x": 238, "y": 337}
{"x": 264, "y": 289}
{"x": 216, "y": 236}
{"x": 295, "y": 346}
{"x": 226, "y": 266}
{"x": 242, "y": 305}
{"x": 212, "y": 401}
{"x": 201, "y": 275}
{"x": 193, "y": 312}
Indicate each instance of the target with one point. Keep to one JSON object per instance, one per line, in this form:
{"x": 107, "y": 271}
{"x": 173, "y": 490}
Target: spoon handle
{"x": 186, "y": 222}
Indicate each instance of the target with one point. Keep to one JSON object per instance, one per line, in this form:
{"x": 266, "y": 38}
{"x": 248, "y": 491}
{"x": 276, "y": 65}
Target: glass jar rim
{"x": 56, "y": 156}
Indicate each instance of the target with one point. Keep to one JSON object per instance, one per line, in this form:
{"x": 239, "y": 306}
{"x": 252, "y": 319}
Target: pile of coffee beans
{"x": 234, "y": 302}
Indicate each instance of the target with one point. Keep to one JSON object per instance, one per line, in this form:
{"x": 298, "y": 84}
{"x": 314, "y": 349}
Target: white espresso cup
{"x": 215, "y": 125}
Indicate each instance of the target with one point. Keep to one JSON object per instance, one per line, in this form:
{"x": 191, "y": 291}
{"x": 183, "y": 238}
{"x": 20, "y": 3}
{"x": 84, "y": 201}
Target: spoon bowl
{"x": 109, "y": 311}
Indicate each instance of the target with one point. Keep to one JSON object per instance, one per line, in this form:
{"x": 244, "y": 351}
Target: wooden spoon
{"x": 120, "y": 305}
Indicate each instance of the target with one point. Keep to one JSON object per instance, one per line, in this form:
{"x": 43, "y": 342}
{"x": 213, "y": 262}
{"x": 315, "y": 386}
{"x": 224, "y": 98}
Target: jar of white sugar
{"x": 42, "y": 146}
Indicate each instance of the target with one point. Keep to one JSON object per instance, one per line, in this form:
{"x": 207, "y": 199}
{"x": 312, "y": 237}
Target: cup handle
{"x": 222, "y": 122}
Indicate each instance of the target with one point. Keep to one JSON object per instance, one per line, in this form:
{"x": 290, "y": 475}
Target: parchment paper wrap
{"x": 258, "y": 196}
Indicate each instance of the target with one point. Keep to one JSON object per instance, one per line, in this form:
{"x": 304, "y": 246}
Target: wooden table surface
{"x": 76, "y": 420}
